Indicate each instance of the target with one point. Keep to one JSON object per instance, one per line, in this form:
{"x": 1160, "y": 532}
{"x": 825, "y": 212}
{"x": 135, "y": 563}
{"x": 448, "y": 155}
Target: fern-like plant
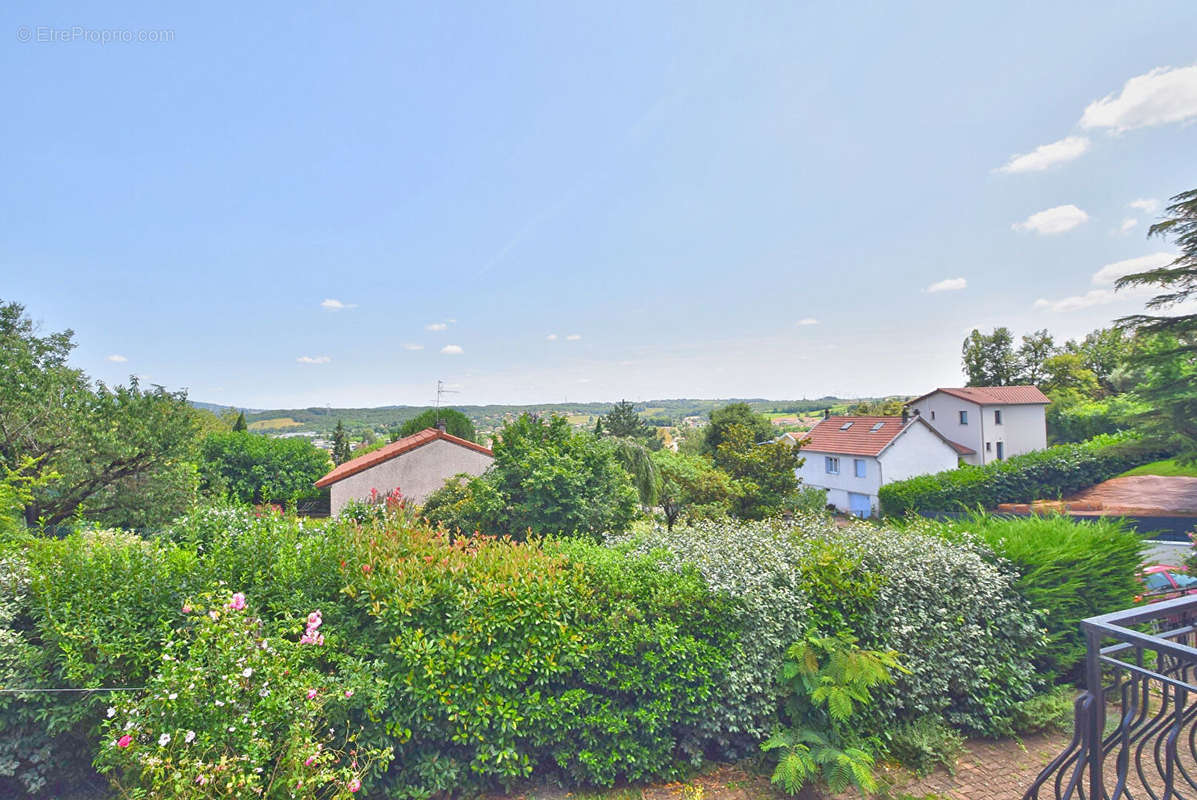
{"x": 829, "y": 679}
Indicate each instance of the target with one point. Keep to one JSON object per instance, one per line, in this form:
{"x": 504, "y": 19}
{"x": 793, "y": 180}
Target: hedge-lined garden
{"x": 1039, "y": 475}
{"x": 286, "y": 658}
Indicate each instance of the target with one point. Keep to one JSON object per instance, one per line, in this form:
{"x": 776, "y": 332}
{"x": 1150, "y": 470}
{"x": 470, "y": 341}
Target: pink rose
{"x": 349, "y": 693}
{"x": 237, "y": 602}
{"x": 354, "y": 785}
{"x": 186, "y": 608}
{"x": 314, "y": 619}
{"x": 124, "y": 741}
{"x": 311, "y": 694}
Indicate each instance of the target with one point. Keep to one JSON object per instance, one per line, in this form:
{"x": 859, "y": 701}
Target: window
{"x": 1001, "y": 450}
{"x": 932, "y": 415}
{"x": 845, "y": 426}
{"x": 963, "y": 417}
{"x": 877, "y": 426}
{"x": 997, "y": 416}
{"x": 832, "y": 464}
{"x": 989, "y": 445}
{"x": 859, "y": 464}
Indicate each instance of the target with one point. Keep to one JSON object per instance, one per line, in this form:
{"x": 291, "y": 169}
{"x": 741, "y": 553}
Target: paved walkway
{"x": 990, "y": 770}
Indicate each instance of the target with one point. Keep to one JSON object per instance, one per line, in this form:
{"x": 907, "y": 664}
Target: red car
{"x": 1165, "y": 582}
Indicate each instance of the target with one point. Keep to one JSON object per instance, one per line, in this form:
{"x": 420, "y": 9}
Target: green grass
{"x": 1170, "y": 468}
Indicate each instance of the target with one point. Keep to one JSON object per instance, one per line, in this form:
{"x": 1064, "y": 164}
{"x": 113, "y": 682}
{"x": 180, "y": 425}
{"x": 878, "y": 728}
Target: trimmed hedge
{"x": 1068, "y": 571}
{"x": 1041, "y": 475}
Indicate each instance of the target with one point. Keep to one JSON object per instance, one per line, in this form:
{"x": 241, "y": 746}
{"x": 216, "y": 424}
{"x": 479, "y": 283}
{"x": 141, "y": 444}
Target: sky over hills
{"x": 282, "y": 206}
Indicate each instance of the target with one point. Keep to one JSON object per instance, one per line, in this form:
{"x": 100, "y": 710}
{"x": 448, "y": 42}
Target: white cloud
{"x": 436, "y": 326}
{"x": 1147, "y": 205}
{"x": 452, "y": 350}
{"x": 948, "y": 285}
{"x": 1159, "y": 97}
{"x": 573, "y": 337}
{"x": 331, "y": 304}
{"x": 808, "y": 321}
{"x": 313, "y": 359}
{"x": 1127, "y": 224}
{"x": 552, "y": 337}
{"x": 409, "y": 346}
{"x": 1047, "y": 155}
{"x": 1105, "y": 278}
{"x": 583, "y": 380}
{"x": 119, "y": 359}
{"x": 1053, "y": 220}
{"x": 1112, "y": 272}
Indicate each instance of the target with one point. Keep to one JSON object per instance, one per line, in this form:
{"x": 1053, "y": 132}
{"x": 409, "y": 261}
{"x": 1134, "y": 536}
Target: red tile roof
{"x": 994, "y": 395}
{"x": 860, "y": 439}
{"x": 397, "y": 448}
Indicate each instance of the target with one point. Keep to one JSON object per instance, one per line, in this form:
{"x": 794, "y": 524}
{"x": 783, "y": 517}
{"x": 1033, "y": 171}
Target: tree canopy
{"x": 545, "y": 479}
{"x": 760, "y": 429}
{"x": 456, "y": 423}
{"x": 118, "y": 455}
{"x": 250, "y": 468}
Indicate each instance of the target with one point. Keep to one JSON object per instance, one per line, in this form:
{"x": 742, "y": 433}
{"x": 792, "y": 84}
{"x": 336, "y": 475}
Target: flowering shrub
{"x": 380, "y": 508}
{"x": 234, "y": 712}
{"x": 751, "y": 563}
{"x": 968, "y": 653}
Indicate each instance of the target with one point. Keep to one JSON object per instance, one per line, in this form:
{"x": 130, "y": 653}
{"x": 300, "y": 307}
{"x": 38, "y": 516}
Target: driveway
{"x": 1141, "y": 495}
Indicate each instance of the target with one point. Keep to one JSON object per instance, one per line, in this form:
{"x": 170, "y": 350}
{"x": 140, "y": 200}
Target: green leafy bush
{"x": 655, "y": 647}
{"x": 924, "y": 744}
{"x": 1067, "y": 570}
{"x": 1048, "y": 473}
{"x": 1049, "y": 712}
{"x": 968, "y": 652}
{"x": 752, "y": 564}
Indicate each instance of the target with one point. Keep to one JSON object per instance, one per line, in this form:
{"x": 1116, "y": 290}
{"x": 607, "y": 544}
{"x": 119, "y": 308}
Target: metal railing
{"x": 1136, "y": 721}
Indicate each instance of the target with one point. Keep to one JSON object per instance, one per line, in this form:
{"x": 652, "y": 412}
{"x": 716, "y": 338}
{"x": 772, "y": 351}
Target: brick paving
{"x": 988, "y": 770}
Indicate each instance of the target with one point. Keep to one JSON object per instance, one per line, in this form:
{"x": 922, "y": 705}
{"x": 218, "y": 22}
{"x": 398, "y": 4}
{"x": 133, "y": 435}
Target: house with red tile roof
{"x": 996, "y": 422}
{"x": 853, "y": 457}
{"x": 417, "y": 465}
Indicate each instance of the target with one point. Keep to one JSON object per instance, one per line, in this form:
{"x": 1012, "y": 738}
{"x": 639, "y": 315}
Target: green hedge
{"x": 1067, "y": 571}
{"x": 1040, "y": 475}
{"x": 478, "y": 661}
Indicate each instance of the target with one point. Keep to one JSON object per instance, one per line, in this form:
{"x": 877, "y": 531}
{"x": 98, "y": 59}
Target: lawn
{"x": 1169, "y": 468}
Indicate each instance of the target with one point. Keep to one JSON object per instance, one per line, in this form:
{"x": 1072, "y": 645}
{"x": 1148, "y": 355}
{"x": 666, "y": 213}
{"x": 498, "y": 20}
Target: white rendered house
{"x": 853, "y": 457}
{"x": 995, "y": 422}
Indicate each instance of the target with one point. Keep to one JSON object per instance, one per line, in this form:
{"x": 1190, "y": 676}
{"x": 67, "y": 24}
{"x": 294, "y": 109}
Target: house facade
{"x": 995, "y": 422}
{"x": 853, "y": 457}
{"x": 417, "y": 465}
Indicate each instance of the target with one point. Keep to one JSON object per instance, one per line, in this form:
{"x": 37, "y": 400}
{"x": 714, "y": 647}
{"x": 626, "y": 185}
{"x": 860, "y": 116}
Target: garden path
{"x": 988, "y": 770}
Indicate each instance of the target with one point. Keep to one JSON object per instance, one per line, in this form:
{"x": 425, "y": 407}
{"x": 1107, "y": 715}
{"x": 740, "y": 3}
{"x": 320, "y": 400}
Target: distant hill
{"x": 383, "y": 419}
{"x": 216, "y": 408}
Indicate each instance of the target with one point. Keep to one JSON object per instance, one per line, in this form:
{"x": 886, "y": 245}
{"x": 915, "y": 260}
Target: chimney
{"x": 905, "y": 415}
{"x": 440, "y": 425}
{"x": 827, "y": 413}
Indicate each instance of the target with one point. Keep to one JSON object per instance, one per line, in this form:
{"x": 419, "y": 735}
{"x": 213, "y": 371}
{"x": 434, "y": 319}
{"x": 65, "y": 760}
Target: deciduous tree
{"x": 456, "y": 423}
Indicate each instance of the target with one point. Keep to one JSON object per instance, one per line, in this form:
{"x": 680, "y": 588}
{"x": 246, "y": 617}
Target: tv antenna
{"x": 441, "y": 391}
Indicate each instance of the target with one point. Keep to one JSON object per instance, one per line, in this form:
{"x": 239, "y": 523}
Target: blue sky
{"x": 590, "y": 202}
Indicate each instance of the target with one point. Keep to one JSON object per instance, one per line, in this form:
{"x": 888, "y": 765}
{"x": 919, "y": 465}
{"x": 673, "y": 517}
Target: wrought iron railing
{"x": 1136, "y": 722}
